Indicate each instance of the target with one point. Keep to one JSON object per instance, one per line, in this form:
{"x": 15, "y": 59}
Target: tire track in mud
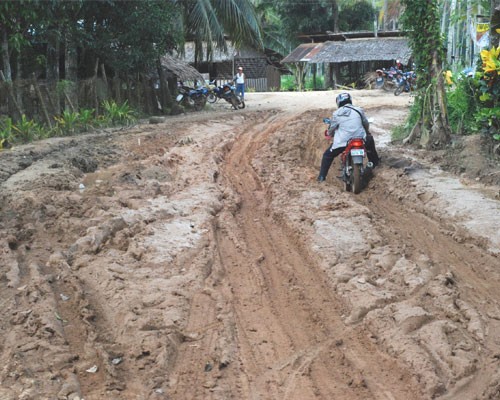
{"x": 467, "y": 292}
{"x": 424, "y": 288}
{"x": 288, "y": 339}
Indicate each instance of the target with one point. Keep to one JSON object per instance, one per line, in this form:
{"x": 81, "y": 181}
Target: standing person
{"x": 239, "y": 79}
{"x": 347, "y": 122}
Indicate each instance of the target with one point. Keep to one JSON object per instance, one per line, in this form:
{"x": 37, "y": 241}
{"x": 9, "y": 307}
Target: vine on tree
{"x": 421, "y": 21}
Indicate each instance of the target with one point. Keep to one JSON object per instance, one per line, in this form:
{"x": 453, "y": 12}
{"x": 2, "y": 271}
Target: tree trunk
{"x": 328, "y": 75}
{"x": 13, "y": 105}
{"x": 52, "y": 69}
{"x": 335, "y": 14}
{"x": 452, "y": 37}
{"x": 440, "y": 133}
{"x": 71, "y": 74}
{"x": 433, "y": 126}
{"x": 315, "y": 73}
{"x": 495, "y": 23}
{"x": 469, "y": 49}
{"x": 300, "y": 75}
{"x": 7, "y": 71}
{"x": 384, "y": 17}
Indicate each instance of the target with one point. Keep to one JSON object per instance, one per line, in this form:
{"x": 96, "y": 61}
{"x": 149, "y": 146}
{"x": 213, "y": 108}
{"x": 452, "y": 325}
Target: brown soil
{"x": 198, "y": 258}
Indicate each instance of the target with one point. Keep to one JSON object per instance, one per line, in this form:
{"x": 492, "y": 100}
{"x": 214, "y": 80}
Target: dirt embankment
{"x": 199, "y": 259}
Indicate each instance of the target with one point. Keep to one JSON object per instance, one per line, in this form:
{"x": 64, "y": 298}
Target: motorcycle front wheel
{"x": 200, "y": 103}
{"x": 211, "y": 98}
{"x": 398, "y": 90}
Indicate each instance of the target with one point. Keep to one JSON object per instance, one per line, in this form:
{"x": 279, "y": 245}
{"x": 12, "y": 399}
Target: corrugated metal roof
{"x": 352, "y": 50}
{"x": 303, "y": 53}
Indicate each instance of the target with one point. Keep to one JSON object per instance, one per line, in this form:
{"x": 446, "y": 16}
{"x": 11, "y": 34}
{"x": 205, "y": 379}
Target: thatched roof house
{"x": 352, "y": 50}
{"x": 362, "y": 50}
{"x": 174, "y": 67}
{"x": 350, "y": 59}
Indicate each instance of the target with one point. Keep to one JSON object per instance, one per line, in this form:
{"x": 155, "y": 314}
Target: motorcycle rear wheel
{"x": 234, "y": 102}
{"x": 356, "y": 178}
{"x": 241, "y": 104}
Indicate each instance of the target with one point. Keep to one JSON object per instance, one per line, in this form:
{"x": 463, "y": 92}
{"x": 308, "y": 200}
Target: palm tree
{"x": 210, "y": 22}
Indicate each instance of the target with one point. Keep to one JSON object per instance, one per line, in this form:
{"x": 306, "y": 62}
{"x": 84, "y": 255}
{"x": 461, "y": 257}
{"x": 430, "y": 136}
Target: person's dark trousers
{"x": 326, "y": 161}
{"x": 371, "y": 152}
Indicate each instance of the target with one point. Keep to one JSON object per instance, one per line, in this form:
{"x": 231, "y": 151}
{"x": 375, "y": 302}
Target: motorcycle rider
{"x": 347, "y": 122}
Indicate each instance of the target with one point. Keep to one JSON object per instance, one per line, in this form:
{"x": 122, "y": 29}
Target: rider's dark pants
{"x": 371, "y": 151}
{"x": 330, "y": 154}
{"x": 327, "y": 159}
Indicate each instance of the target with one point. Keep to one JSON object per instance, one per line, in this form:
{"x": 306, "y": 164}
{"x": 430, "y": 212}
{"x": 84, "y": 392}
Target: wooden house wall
{"x": 259, "y": 75}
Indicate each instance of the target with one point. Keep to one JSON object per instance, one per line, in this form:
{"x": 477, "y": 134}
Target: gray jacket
{"x": 346, "y": 124}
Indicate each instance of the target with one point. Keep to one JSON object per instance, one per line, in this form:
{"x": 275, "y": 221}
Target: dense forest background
{"x": 65, "y": 62}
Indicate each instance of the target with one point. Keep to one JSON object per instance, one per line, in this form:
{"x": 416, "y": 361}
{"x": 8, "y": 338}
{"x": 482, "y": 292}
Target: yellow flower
{"x": 491, "y": 63}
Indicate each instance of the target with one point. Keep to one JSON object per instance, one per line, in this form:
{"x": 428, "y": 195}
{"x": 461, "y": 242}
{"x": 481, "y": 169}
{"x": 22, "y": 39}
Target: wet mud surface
{"x": 198, "y": 258}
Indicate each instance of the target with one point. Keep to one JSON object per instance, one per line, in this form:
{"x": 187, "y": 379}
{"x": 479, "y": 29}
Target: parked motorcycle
{"x": 406, "y": 82}
{"x": 386, "y": 78}
{"x": 196, "y": 98}
{"x": 228, "y": 93}
{"x": 356, "y": 168}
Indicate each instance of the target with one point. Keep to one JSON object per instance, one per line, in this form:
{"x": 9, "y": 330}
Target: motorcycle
{"x": 228, "y": 93}
{"x": 386, "y": 79}
{"x": 406, "y": 82}
{"x": 356, "y": 168}
{"x": 196, "y": 98}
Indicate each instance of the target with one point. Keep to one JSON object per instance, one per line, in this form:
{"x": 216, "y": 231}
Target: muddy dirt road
{"x": 199, "y": 259}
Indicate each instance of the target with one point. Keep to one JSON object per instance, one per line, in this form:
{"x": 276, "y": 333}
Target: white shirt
{"x": 240, "y": 78}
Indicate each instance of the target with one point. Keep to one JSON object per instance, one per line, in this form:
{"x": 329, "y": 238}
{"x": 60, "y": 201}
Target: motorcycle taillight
{"x": 357, "y": 143}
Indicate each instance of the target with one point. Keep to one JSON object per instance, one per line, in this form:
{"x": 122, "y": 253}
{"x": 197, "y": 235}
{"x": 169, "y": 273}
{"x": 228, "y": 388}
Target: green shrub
{"x": 488, "y": 121}
{"x": 118, "y": 113}
{"x": 26, "y": 130}
{"x": 6, "y": 134}
{"x": 309, "y": 84}
{"x": 462, "y": 105}
{"x": 68, "y": 122}
{"x": 86, "y": 118}
{"x": 288, "y": 83}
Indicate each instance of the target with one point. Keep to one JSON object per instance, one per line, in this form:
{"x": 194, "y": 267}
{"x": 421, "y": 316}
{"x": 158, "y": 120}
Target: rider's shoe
{"x": 321, "y": 178}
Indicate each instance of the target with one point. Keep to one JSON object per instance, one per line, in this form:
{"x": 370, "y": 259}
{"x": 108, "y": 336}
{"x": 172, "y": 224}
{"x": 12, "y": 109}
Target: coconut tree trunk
{"x": 440, "y": 132}
{"x": 433, "y": 130}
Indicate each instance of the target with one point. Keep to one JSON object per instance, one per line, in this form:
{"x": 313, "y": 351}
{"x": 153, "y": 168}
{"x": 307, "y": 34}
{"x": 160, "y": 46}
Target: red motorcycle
{"x": 356, "y": 169}
{"x": 354, "y": 165}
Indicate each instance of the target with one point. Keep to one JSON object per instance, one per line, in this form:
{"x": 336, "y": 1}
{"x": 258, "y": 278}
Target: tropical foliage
{"x": 488, "y": 77}
{"x": 64, "y": 41}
